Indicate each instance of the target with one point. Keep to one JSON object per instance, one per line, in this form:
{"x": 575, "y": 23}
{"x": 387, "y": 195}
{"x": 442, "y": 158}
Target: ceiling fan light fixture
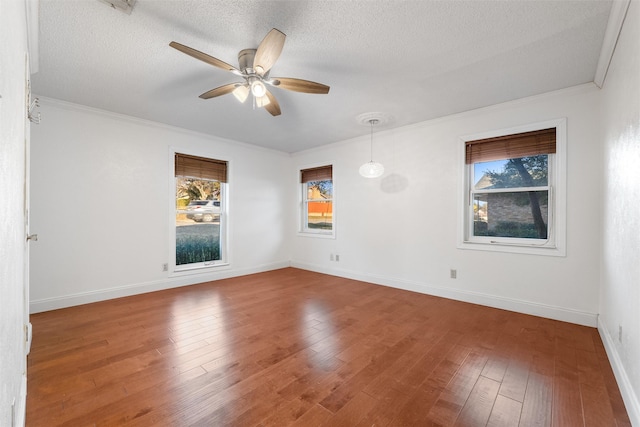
{"x": 262, "y": 101}
{"x": 258, "y": 88}
{"x": 241, "y": 93}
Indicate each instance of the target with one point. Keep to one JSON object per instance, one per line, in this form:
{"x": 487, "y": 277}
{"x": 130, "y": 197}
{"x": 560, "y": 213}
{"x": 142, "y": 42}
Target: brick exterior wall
{"x": 502, "y": 206}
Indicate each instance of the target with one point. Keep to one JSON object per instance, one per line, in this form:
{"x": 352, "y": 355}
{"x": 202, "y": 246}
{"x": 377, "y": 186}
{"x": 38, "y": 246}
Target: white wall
{"x": 401, "y": 229}
{"x": 13, "y": 48}
{"x": 620, "y": 282}
{"x": 101, "y": 206}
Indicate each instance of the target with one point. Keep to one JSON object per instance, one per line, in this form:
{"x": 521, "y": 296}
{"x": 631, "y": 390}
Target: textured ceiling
{"x": 413, "y": 60}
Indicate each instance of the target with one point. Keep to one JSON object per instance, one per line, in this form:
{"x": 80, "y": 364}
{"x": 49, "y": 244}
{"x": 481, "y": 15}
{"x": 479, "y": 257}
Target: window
{"x": 317, "y": 200}
{"x": 511, "y": 197}
{"x": 200, "y": 185}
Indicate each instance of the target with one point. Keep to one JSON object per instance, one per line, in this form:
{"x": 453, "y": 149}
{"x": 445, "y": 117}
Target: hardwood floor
{"x": 292, "y": 347}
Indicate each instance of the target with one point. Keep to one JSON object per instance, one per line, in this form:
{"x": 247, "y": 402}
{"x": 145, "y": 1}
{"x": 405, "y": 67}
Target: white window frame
{"x": 303, "y": 229}
{"x": 555, "y": 244}
{"x": 202, "y": 267}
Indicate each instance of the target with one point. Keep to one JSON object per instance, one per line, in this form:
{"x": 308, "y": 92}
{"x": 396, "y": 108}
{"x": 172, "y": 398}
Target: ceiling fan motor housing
{"x": 245, "y": 60}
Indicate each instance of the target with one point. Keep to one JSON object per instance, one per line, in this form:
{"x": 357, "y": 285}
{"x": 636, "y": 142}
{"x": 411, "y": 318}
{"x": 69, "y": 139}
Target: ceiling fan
{"x": 254, "y": 67}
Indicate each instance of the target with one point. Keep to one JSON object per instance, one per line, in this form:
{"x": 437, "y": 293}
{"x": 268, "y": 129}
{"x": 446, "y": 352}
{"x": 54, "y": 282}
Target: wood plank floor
{"x": 292, "y": 347}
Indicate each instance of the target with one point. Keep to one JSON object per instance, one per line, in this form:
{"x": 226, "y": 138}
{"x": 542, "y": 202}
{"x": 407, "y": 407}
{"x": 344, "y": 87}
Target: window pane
{"x": 319, "y": 190}
{"x": 319, "y": 204}
{"x": 320, "y": 215}
{"x": 197, "y": 220}
{"x": 511, "y": 214}
{"x": 512, "y": 173}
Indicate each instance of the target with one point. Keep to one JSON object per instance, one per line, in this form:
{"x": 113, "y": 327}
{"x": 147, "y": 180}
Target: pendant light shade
{"x": 371, "y": 169}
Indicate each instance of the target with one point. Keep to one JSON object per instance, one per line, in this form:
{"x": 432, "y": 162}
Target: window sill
{"x": 200, "y": 269}
{"x": 515, "y": 248}
{"x": 317, "y": 235}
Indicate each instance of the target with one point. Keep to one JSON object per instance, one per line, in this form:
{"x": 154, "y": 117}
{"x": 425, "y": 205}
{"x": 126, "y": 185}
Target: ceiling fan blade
{"x": 272, "y": 107}
{"x": 299, "y": 85}
{"x": 268, "y": 51}
{"x": 222, "y": 90}
{"x": 205, "y": 58}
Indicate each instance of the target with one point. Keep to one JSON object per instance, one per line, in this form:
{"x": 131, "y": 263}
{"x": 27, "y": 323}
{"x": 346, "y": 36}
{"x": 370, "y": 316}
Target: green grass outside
{"x": 197, "y": 243}
{"x": 506, "y": 229}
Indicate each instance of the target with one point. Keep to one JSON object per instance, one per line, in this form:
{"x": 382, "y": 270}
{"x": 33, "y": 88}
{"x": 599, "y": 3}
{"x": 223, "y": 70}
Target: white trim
{"x": 225, "y": 260}
{"x": 614, "y": 27}
{"x": 197, "y": 268}
{"x": 557, "y": 247}
{"x": 33, "y": 31}
{"x": 631, "y": 401}
{"x": 435, "y": 121}
{"x": 46, "y": 304}
{"x": 316, "y": 235}
{"x": 20, "y": 406}
{"x": 519, "y": 306}
{"x": 301, "y": 231}
{"x": 131, "y": 119}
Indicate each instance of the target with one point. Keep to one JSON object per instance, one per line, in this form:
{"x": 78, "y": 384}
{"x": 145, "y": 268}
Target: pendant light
{"x": 372, "y": 169}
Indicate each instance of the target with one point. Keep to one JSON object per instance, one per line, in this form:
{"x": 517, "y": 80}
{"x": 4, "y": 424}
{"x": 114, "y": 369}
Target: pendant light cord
{"x": 371, "y": 169}
{"x": 372, "y": 122}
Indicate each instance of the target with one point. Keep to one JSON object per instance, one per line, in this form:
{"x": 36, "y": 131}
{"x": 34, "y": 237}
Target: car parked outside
{"x": 203, "y": 210}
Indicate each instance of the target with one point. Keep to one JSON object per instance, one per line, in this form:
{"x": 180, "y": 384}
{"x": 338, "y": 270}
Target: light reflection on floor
{"x": 199, "y": 331}
{"x": 318, "y": 333}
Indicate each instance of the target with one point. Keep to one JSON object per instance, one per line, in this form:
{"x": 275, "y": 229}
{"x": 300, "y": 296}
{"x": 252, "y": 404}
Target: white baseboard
{"x": 46, "y": 304}
{"x": 631, "y": 401}
{"x": 520, "y": 306}
{"x": 526, "y": 307}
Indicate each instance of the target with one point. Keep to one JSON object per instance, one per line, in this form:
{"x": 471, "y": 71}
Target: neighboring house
{"x": 318, "y": 210}
{"x": 499, "y": 208}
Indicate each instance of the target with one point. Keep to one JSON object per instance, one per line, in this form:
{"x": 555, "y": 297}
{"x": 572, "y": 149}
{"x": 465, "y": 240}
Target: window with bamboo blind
{"x": 200, "y": 167}
{"x": 200, "y": 234}
{"x": 317, "y": 207}
{"x": 513, "y": 181}
{"x": 519, "y": 145}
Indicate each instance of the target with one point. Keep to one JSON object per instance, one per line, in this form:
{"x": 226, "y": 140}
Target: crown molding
{"x": 614, "y": 26}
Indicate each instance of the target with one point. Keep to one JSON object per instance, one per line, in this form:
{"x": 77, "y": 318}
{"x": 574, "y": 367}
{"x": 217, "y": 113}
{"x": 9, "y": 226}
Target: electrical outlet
{"x": 453, "y": 273}
{"x": 165, "y": 267}
{"x": 620, "y": 333}
{"x": 337, "y": 258}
